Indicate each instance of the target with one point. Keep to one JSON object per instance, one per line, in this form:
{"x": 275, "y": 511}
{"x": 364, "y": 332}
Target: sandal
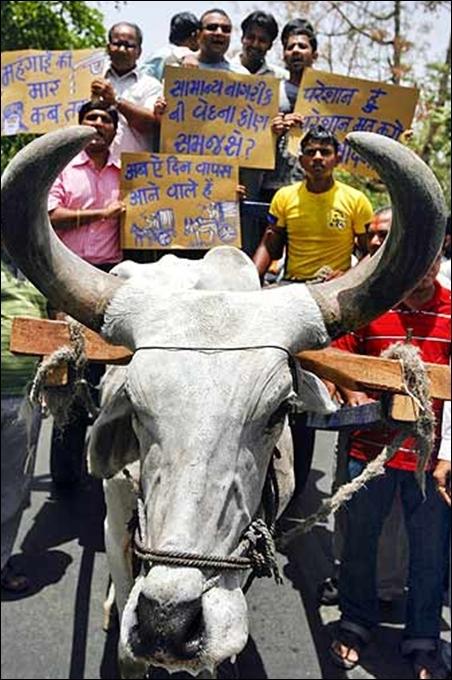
{"x": 425, "y": 665}
{"x": 13, "y": 582}
{"x": 352, "y": 642}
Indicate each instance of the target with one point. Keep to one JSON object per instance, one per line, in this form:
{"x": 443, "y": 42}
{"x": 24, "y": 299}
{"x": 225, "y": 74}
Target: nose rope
{"x": 256, "y": 550}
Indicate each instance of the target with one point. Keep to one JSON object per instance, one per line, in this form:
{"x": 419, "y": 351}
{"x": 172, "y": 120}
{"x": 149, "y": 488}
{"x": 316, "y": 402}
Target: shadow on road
{"x": 47, "y": 568}
{"x": 75, "y": 514}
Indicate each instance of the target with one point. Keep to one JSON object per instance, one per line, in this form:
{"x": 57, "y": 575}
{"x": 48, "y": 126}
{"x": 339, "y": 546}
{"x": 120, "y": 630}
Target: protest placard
{"x": 177, "y": 201}
{"x": 220, "y": 113}
{"x": 43, "y": 90}
{"x": 342, "y": 104}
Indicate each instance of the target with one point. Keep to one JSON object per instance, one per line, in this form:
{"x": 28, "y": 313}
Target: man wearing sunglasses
{"x": 214, "y": 41}
{"x": 133, "y": 93}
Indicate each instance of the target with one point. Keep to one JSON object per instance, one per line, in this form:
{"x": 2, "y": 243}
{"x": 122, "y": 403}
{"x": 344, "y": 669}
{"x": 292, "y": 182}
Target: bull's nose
{"x": 168, "y": 628}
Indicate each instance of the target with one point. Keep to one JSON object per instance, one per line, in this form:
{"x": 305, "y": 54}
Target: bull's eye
{"x": 277, "y": 416}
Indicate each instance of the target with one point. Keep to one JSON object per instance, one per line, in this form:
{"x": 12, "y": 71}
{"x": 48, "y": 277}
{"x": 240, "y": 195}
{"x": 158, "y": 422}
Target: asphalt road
{"x": 55, "y": 631}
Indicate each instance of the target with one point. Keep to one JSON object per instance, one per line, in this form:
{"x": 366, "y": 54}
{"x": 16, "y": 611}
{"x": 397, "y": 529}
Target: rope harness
{"x": 416, "y": 384}
{"x": 256, "y": 550}
{"x": 58, "y": 401}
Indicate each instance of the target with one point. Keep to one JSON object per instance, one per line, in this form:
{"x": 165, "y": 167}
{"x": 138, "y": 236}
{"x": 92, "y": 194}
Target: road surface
{"x": 55, "y": 631}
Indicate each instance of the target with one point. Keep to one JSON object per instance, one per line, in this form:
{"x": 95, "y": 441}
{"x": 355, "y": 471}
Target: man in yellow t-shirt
{"x": 319, "y": 219}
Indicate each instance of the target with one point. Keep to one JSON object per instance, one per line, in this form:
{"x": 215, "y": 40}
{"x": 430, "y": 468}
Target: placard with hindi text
{"x": 179, "y": 201}
{"x": 342, "y": 105}
{"x": 42, "y": 90}
{"x": 220, "y": 113}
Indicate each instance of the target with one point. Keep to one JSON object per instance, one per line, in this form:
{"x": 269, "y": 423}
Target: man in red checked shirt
{"x": 424, "y": 316}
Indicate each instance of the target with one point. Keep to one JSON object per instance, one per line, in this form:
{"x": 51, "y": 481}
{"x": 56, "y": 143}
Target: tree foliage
{"x": 46, "y": 25}
{"x": 380, "y": 41}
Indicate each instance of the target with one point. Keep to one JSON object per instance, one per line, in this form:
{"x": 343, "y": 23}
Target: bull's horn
{"x": 69, "y": 283}
{"x": 414, "y": 241}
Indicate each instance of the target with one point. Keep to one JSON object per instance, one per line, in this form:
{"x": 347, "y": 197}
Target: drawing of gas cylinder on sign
{"x": 159, "y": 228}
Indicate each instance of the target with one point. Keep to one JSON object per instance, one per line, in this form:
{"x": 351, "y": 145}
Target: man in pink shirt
{"x": 84, "y": 206}
{"x": 85, "y": 210}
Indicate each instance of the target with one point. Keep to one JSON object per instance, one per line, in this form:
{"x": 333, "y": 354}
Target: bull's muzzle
{"x": 167, "y": 630}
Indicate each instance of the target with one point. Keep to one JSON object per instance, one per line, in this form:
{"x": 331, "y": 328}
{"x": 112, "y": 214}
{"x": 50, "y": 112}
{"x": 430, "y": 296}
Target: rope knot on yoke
{"x": 417, "y": 386}
{"x": 58, "y": 400}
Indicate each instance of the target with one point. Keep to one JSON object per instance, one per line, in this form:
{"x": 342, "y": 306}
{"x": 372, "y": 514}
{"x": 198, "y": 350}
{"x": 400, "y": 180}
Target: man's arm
{"x": 140, "y": 118}
{"x": 270, "y": 248}
{"x": 68, "y": 218}
{"x": 361, "y": 243}
{"x": 442, "y": 471}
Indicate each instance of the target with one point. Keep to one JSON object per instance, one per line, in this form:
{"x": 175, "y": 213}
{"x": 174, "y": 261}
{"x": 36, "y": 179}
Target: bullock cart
{"x": 206, "y": 394}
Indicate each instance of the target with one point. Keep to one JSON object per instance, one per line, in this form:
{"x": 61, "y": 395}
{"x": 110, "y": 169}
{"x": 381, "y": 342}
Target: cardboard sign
{"x": 220, "y": 113}
{"x": 342, "y": 105}
{"x": 176, "y": 201}
{"x": 43, "y": 90}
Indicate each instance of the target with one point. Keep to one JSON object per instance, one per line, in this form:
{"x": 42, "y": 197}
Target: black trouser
{"x": 68, "y": 444}
{"x": 303, "y": 438}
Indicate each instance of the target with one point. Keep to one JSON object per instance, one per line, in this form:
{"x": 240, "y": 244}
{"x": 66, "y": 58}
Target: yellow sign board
{"x": 43, "y": 90}
{"x": 342, "y": 104}
{"x": 177, "y": 201}
{"x": 220, "y": 113}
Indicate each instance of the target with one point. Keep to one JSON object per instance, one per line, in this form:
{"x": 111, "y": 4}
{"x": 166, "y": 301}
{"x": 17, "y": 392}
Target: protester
{"x": 300, "y": 51}
{"x": 85, "y": 210}
{"x": 426, "y": 312}
{"x": 392, "y": 560}
{"x": 84, "y": 205}
{"x": 214, "y": 41}
{"x": 20, "y": 422}
{"x": 132, "y": 93}
{"x": 318, "y": 219}
{"x": 183, "y": 43}
{"x": 259, "y": 31}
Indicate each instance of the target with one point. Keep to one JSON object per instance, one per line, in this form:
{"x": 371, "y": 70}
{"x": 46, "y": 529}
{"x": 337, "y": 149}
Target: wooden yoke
{"x": 356, "y": 372}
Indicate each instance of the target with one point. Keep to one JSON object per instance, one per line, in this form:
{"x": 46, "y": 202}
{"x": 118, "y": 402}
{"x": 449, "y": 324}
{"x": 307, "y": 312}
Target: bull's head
{"x": 209, "y": 379}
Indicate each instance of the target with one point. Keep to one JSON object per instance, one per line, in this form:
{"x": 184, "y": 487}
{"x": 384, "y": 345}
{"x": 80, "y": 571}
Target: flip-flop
{"x": 352, "y": 641}
{"x": 13, "y": 582}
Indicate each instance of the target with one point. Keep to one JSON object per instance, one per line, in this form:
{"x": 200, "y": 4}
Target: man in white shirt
{"x": 133, "y": 93}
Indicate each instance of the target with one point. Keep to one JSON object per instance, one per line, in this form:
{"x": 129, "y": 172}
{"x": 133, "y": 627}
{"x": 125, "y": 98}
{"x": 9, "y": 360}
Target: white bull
{"x": 207, "y": 390}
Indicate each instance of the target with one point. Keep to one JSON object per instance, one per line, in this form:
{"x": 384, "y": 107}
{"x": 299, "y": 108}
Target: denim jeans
{"x": 19, "y": 438}
{"x": 427, "y": 523}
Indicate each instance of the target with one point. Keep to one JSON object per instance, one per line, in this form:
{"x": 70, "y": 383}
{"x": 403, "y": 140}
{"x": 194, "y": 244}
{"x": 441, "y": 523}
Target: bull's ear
{"x": 113, "y": 443}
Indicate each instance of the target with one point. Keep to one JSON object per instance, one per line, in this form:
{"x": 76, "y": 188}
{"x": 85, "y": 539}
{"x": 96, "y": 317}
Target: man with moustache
{"x": 85, "y": 210}
{"x": 132, "y": 93}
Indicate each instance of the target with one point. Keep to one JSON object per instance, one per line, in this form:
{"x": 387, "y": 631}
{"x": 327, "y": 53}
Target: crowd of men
{"x": 316, "y": 225}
